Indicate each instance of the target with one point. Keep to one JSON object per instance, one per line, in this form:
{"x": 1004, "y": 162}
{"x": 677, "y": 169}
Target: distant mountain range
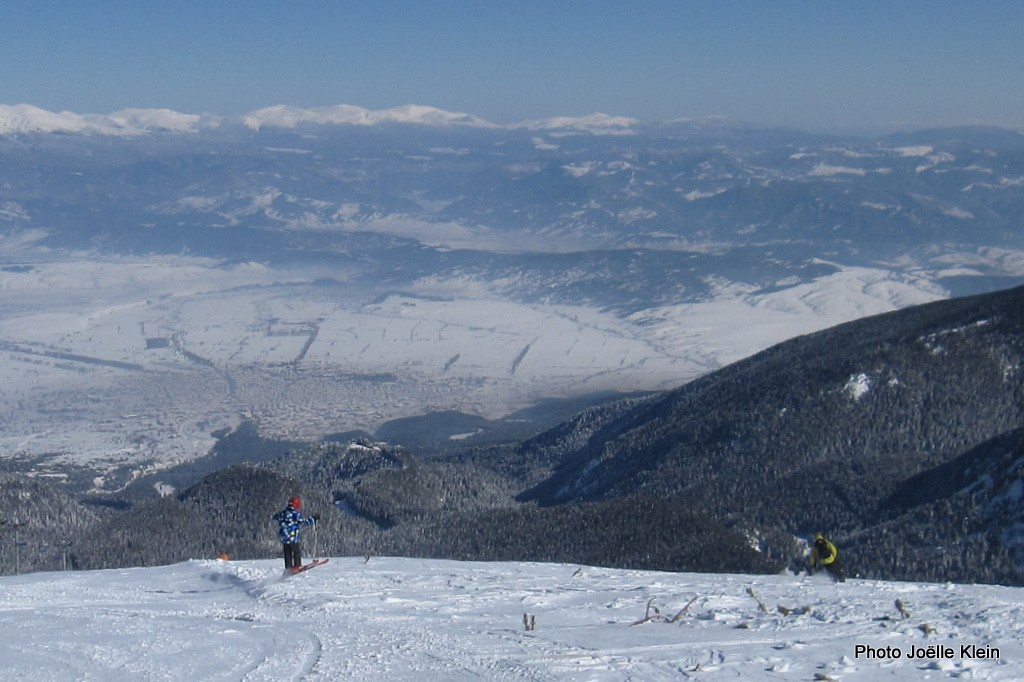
{"x": 27, "y": 119}
{"x": 22, "y": 119}
{"x": 304, "y": 181}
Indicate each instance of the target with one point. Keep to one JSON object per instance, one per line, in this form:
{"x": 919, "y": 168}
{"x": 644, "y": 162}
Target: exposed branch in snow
{"x": 653, "y": 613}
{"x": 760, "y": 604}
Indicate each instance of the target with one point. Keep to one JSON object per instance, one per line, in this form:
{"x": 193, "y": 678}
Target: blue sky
{"x": 859, "y": 64}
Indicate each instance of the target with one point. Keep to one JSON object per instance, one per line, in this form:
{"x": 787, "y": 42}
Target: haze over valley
{"x": 164, "y": 277}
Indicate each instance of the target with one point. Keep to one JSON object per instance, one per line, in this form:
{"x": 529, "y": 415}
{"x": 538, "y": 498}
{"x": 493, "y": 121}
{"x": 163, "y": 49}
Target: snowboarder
{"x": 825, "y": 555}
{"x": 290, "y": 520}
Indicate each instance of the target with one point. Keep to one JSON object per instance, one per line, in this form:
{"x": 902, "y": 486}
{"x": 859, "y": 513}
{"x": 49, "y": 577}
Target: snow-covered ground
{"x": 114, "y": 360}
{"x": 411, "y": 619}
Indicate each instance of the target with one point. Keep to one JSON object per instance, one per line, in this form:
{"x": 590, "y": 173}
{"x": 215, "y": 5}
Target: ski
{"x": 306, "y": 567}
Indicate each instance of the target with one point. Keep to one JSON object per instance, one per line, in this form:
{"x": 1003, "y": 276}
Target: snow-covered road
{"x": 410, "y": 619}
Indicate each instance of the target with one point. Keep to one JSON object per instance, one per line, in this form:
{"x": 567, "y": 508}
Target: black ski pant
{"x": 834, "y": 569}
{"x": 292, "y": 555}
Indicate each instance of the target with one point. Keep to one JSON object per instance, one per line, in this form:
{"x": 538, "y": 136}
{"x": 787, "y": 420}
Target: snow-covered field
{"x": 118, "y": 360}
{"x": 411, "y": 619}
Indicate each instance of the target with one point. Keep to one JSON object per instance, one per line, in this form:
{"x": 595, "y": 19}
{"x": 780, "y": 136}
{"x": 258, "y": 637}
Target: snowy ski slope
{"x": 411, "y": 619}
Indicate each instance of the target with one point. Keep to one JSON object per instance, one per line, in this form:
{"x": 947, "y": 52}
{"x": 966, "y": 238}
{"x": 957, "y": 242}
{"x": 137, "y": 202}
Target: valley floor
{"x": 117, "y": 362}
{"x": 410, "y": 619}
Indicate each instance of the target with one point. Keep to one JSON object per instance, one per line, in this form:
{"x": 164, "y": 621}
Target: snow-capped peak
{"x": 160, "y": 119}
{"x": 596, "y": 124}
{"x": 25, "y": 118}
{"x": 414, "y": 113}
{"x": 282, "y": 116}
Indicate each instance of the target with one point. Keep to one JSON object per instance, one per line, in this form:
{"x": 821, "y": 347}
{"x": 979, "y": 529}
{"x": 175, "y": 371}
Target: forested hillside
{"x": 829, "y": 431}
{"x": 40, "y": 524}
{"x": 898, "y": 435}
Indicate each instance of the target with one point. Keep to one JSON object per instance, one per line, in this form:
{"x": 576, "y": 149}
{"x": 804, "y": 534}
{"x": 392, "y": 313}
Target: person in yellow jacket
{"x": 825, "y": 555}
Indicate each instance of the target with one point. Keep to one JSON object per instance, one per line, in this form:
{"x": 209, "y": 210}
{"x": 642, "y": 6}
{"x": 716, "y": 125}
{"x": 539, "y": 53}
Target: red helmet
{"x": 295, "y": 503}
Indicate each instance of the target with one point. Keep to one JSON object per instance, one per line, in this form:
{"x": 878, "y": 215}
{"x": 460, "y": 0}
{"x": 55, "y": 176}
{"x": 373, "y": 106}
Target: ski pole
{"x": 315, "y": 524}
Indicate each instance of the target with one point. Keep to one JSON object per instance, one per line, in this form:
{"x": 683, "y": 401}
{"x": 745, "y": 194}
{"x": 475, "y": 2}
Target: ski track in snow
{"x": 411, "y": 619}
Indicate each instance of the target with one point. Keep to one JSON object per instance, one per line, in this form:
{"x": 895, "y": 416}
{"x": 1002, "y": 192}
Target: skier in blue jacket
{"x": 290, "y": 520}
